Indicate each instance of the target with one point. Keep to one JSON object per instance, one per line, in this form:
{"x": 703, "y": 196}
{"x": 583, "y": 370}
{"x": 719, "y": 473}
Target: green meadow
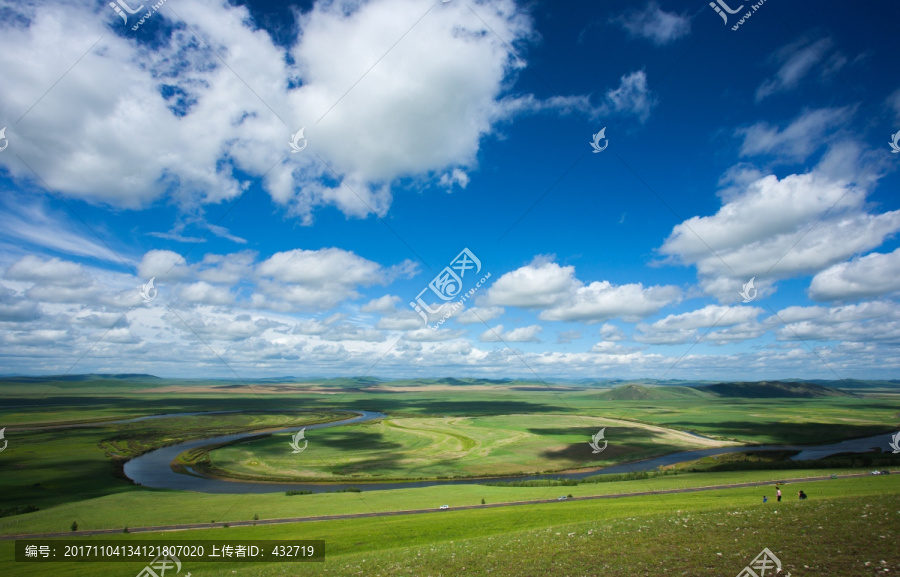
{"x": 845, "y": 525}
{"x": 64, "y": 463}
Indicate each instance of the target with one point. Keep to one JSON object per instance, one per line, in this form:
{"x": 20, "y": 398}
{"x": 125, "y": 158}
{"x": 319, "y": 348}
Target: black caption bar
{"x": 168, "y": 553}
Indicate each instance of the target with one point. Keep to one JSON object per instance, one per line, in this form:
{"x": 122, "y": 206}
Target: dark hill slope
{"x": 772, "y": 390}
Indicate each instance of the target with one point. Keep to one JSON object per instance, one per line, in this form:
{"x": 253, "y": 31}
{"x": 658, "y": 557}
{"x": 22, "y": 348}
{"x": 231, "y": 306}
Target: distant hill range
{"x": 756, "y": 390}
{"x": 611, "y": 389}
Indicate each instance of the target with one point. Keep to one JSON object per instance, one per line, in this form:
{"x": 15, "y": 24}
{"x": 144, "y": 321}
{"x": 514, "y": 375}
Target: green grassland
{"x": 845, "y": 524}
{"x": 451, "y": 428}
{"x": 452, "y": 447}
{"x": 49, "y": 467}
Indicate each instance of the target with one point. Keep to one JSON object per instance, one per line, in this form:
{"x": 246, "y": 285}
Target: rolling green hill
{"x": 645, "y": 393}
{"x": 773, "y": 389}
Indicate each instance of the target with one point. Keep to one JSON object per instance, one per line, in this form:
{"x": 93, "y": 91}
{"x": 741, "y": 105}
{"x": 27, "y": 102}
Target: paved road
{"x": 409, "y": 512}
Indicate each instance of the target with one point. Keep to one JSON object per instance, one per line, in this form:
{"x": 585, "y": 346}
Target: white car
{"x": 562, "y": 498}
{"x": 445, "y": 506}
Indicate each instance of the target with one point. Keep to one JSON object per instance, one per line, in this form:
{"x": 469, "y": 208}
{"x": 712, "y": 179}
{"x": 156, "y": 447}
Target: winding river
{"x": 153, "y": 469}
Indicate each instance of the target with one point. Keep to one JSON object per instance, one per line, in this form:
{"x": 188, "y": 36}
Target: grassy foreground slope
{"x": 848, "y": 527}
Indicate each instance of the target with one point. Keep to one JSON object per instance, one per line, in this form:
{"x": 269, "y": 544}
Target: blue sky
{"x": 160, "y": 148}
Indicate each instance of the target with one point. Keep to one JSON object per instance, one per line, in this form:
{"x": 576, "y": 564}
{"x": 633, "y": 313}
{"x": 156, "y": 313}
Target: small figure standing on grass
{"x": 802, "y": 495}
{"x": 765, "y": 499}
{"x": 778, "y": 495}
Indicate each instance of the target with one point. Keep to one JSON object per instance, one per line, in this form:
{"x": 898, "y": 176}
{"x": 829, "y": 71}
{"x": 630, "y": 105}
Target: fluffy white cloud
{"x": 863, "y": 323}
{"x": 51, "y": 271}
{"x": 562, "y": 297}
{"x": 655, "y": 24}
{"x": 203, "y": 292}
{"x": 479, "y": 315}
{"x": 872, "y": 275}
{"x": 681, "y": 328}
{"x": 383, "y": 304}
{"x": 414, "y": 87}
{"x": 496, "y": 334}
{"x": 778, "y": 228}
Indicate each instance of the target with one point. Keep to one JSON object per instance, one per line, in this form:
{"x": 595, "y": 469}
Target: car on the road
{"x": 876, "y": 472}
{"x": 445, "y": 506}
{"x": 563, "y": 498}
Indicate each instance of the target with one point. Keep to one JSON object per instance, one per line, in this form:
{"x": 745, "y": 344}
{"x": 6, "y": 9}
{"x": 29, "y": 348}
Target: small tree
{"x": 256, "y": 516}
{"x": 74, "y": 525}
{"x": 482, "y": 500}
